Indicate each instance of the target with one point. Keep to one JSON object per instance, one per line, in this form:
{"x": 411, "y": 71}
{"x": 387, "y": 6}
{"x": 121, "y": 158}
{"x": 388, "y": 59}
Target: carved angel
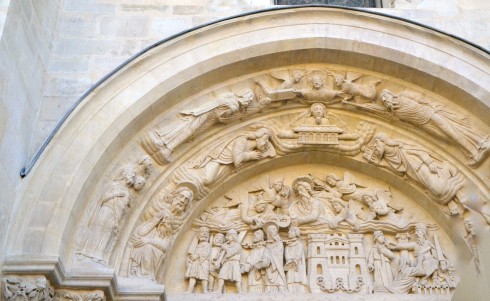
{"x": 352, "y": 89}
{"x": 318, "y": 92}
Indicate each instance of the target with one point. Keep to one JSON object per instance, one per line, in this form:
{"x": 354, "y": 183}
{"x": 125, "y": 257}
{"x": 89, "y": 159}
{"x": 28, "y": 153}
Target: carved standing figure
{"x": 295, "y": 263}
{"x": 214, "y": 265}
{"x": 104, "y": 228}
{"x": 198, "y": 261}
{"x": 256, "y": 263}
{"x": 470, "y": 238}
{"x": 149, "y": 244}
{"x": 379, "y": 262}
{"x": 160, "y": 143}
{"x": 275, "y": 281}
{"x": 229, "y": 260}
{"x": 421, "y": 113}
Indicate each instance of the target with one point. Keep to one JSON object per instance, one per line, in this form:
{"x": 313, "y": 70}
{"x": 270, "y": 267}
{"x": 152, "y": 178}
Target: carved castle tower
{"x": 357, "y": 260}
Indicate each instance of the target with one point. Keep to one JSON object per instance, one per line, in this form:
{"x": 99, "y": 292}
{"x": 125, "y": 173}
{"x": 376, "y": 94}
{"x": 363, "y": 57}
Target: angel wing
{"x": 352, "y": 76}
{"x": 334, "y": 120}
{"x": 385, "y": 196}
{"x": 360, "y": 211}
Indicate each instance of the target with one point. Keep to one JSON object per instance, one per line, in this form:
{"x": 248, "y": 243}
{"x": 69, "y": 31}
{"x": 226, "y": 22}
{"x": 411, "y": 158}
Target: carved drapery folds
{"x": 319, "y": 232}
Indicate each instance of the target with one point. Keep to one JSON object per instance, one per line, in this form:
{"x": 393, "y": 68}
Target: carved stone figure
{"x": 112, "y": 208}
{"x": 175, "y": 204}
{"x": 306, "y": 209}
{"x": 295, "y": 266}
{"x": 470, "y": 238}
{"x": 214, "y": 265}
{"x": 440, "y": 178}
{"x": 379, "y": 262}
{"x": 198, "y": 261}
{"x": 342, "y": 213}
{"x": 229, "y": 260}
{"x": 256, "y": 263}
{"x": 422, "y": 113}
{"x": 149, "y": 244}
{"x": 25, "y": 289}
{"x": 160, "y": 143}
{"x": 232, "y": 153}
{"x": 318, "y": 91}
{"x": 428, "y": 259}
{"x": 275, "y": 279}
{"x": 347, "y": 86}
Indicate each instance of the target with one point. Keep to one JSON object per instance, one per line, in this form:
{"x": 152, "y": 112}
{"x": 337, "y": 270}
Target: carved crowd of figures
{"x": 324, "y": 263}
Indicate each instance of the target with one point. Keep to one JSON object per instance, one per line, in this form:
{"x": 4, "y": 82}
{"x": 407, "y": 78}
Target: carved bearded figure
{"x": 407, "y": 108}
{"x": 275, "y": 281}
{"x": 149, "y": 245}
{"x": 256, "y": 263}
{"x": 442, "y": 180}
{"x": 214, "y": 266}
{"x": 295, "y": 263}
{"x": 104, "y": 228}
{"x": 198, "y": 261}
{"x": 307, "y": 208}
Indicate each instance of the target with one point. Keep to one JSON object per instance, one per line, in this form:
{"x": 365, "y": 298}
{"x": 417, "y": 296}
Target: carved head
{"x": 218, "y": 239}
{"x": 387, "y": 98}
{"x": 293, "y": 232}
{"x": 247, "y": 97}
{"x": 260, "y": 206}
{"x": 469, "y": 226}
{"x": 317, "y": 82}
{"x": 203, "y": 234}
{"x": 338, "y": 205}
{"x": 180, "y": 199}
{"x": 379, "y": 236}
{"x": 262, "y": 136}
{"x": 127, "y": 175}
{"x": 297, "y": 75}
{"x": 139, "y": 182}
{"x": 332, "y": 180}
{"x": 318, "y": 110}
{"x": 338, "y": 79}
{"x": 278, "y": 184}
{"x": 304, "y": 189}
{"x": 258, "y": 236}
{"x": 272, "y": 232}
{"x": 232, "y": 236}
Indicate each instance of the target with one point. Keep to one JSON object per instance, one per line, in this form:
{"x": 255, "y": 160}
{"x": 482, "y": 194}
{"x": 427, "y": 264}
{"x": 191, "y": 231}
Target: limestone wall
{"x": 52, "y": 51}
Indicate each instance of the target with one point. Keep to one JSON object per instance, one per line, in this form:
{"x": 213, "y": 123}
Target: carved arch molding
{"x": 306, "y": 150}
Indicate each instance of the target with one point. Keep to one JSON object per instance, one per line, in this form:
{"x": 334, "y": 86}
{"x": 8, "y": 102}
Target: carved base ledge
{"x": 103, "y": 279}
{"x": 294, "y": 297}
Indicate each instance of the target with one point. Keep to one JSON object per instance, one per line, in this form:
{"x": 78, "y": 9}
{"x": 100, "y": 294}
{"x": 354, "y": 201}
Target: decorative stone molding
{"x": 317, "y": 108}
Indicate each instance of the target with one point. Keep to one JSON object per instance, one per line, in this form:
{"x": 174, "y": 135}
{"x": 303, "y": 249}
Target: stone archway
{"x": 189, "y": 99}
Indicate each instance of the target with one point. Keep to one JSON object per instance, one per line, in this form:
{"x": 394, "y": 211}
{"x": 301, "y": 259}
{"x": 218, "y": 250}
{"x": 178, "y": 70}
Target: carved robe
{"x": 453, "y": 125}
{"x": 296, "y": 274}
{"x": 275, "y": 280}
{"x": 380, "y": 258}
{"x": 147, "y": 257}
{"x": 258, "y": 259}
{"x": 105, "y": 226}
{"x": 443, "y": 184}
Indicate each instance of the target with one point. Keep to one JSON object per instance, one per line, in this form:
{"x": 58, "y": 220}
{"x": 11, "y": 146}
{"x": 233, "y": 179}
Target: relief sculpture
{"x": 337, "y": 235}
{"x": 112, "y": 209}
{"x": 434, "y": 118}
{"x": 443, "y": 181}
